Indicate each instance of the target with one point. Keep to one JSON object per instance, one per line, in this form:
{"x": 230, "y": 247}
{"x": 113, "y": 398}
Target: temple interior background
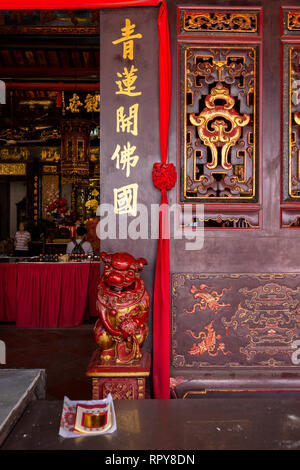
{"x": 49, "y": 125}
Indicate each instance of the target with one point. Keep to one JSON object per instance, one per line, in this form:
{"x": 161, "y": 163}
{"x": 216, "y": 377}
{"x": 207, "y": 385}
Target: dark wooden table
{"x": 209, "y": 423}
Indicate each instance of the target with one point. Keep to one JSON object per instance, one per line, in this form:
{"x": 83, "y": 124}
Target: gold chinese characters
{"x": 126, "y": 157}
{"x": 90, "y": 104}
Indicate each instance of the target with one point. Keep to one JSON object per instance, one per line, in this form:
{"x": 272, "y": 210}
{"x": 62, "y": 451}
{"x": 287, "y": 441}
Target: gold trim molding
{"x": 10, "y": 169}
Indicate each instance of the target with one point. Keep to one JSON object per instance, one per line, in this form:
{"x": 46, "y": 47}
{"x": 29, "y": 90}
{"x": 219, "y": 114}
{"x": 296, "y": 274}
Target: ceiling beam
{"x": 57, "y": 86}
{"x": 45, "y": 72}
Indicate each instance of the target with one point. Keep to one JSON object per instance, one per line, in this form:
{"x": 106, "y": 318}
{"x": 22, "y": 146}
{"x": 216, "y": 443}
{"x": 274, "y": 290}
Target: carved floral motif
{"x": 210, "y": 342}
{"x": 208, "y": 300}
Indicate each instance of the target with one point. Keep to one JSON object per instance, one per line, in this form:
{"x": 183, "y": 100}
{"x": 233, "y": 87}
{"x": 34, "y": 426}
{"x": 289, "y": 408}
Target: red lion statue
{"x": 123, "y": 306}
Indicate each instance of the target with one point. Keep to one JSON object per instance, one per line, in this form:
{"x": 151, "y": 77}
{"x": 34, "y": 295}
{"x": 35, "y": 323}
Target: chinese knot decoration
{"x": 164, "y": 176}
{"x": 123, "y": 306}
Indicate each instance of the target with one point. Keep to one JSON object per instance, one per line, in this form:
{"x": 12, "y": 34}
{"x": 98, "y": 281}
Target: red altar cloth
{"x": 8, "y": 290}
{"x": 48, "y": 295}
{"x": 92, "y": 291}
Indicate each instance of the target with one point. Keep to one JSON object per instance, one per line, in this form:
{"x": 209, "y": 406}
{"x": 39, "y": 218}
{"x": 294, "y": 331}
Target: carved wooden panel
{"x": 290, "y": 175}
{"x": 9, "y": 169}
{"x": 234, "y": 320}
{"x": 219, "y": 115}
{"x": 291, "y": 122}
{"x": 290, "y": 22}
{"x": 207, "y": 22}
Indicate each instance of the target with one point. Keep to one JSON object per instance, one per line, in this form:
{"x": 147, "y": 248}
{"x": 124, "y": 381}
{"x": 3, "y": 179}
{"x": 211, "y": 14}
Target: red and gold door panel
{"x": 290, "y": 201}
{"x": 219, "y": 76}
{"x": 234, "y": 320}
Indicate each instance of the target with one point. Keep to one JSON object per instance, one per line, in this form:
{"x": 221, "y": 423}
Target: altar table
{"x": 48, "y": 295}
{"x": 201, "y": 424}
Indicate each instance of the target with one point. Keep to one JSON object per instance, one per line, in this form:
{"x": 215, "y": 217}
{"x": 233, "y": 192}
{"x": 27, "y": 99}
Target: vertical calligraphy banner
{"x": 130, "y": 140}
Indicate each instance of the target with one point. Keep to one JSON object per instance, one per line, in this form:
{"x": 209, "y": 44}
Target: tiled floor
{"x": 63, "y": 353}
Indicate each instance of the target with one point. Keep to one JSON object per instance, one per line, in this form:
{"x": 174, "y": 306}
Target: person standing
{"x": 91, "y": 236}
{"x": 80, "y": 245}
{"x": 22, "y": 238}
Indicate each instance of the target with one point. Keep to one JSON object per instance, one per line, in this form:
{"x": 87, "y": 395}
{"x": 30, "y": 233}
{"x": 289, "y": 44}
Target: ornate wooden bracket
{"x": 219, "y": 125}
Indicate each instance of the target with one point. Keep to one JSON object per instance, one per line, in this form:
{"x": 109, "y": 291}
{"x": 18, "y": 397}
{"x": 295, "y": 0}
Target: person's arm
{"x": 89, "y": 248}
{"x": 70, "y": 246}
{"x": 28, "y": 239}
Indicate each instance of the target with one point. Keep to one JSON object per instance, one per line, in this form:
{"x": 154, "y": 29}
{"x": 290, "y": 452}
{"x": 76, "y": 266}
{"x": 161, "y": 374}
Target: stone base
{"x": 122, "y": 381}
{"x": 18, "y": 388}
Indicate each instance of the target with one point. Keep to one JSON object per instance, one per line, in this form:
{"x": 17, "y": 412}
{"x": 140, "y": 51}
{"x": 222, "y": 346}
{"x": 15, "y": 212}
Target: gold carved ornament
{"x": 268, "y": 330}
{"x": 209, "y": 342}
{"x": 219, "y": 125}
{"x": 294, "y": 122}
{"x": 293, "y": 22}
{"x": 220, "y": 22}
{"x": 14, "y": 154}
{"x": 13, "y": 169}
{"x": 50, "y": 154}
{"x": 297, "y": 118}
{"x": 292, "y": 177}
